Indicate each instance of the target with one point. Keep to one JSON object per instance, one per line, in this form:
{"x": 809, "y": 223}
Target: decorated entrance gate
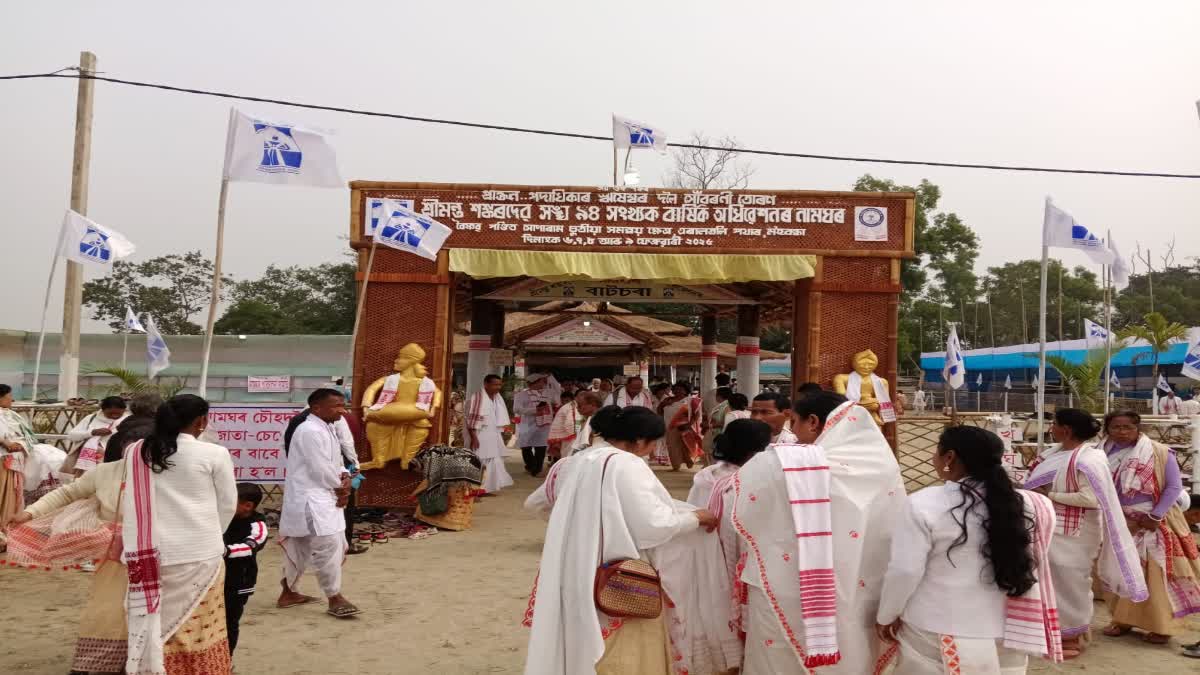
{"x": 829, "y": 261}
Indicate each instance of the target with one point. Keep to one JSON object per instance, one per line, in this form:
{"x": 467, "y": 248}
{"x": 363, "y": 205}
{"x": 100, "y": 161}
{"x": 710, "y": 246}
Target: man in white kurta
{"x": 532, "y": 406}
{"x": 633, "y": 393}
{"x": 311, "y": 525}
{"x": 484, "y": 420}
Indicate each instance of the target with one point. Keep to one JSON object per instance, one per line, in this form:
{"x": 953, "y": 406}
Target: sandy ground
{"x": 451, "y": 603}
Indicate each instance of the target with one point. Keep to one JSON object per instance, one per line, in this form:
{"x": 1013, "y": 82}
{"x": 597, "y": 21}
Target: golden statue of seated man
{"x": 866, "y": 388}
{"x": 398, "y": 409}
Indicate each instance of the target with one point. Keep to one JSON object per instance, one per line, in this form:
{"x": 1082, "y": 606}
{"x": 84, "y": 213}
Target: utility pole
{"x": 68, "y": 373}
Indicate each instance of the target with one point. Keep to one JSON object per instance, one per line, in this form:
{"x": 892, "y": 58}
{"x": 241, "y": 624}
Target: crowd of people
{"x": 796, "y": 549}
{"x": 800, "y": 516}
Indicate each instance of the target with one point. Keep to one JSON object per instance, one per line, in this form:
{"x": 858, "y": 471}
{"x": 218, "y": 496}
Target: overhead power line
{"x": 592, "y": 137}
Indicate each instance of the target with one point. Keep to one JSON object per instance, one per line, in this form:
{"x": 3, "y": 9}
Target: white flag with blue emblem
{"x": 401, "y": 228}
{"x": 158, "y": 356}
{"x": 1191, "y": 360}
{"x": 373, "y": 210}
{"x": 84, "y": 241}
{"x": 1163, "y": 385}
{"x": 955, "y": 370}
{"x": 264, "y": 150}
{"x": 1060, "y": 230}
{"x": 1114, "y": 380}
{"x": 132, "y": 323}
{"x": 1008, "y": 381}
{"x": 628, "y": 133}
{"x": 1035, "y": 383}
{"x": 1095, "y": 333}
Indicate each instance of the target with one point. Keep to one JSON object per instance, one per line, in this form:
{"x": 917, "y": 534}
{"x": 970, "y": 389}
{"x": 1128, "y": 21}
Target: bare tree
{"x": 714, "y": 166}
{"x": 1149, "y": 262}
{"x": 1168, "y": 259}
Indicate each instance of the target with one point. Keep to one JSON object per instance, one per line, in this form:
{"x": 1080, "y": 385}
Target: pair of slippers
{"x": 338, "y": 611}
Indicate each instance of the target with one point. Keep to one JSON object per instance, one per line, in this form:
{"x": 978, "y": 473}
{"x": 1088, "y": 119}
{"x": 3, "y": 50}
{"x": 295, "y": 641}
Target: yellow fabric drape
{"x": 667, "y": 268}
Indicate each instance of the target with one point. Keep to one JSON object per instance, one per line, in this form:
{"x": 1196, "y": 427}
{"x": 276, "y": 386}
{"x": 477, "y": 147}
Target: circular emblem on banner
{"x": 870, "y": 216}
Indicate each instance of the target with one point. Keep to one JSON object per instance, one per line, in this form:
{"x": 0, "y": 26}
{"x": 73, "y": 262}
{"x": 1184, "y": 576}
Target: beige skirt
{"x": 201, "y": 645}
{"x": 102, "y": 630}
{"x": 638, "y": 646}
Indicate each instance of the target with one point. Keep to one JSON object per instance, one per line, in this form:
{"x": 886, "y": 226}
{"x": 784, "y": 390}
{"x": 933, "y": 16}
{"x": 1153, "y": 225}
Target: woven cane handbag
{"x": 627, "y": 589}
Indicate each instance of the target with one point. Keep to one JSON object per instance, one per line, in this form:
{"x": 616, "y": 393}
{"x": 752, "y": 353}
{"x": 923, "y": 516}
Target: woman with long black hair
{"x": 1091, "y": 529}
{"x": 961, "y": 550}
{"x": 179, "y": 497}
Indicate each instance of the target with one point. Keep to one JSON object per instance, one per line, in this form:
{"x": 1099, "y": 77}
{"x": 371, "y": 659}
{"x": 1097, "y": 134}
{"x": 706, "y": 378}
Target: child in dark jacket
{"x": 244, "y": 538}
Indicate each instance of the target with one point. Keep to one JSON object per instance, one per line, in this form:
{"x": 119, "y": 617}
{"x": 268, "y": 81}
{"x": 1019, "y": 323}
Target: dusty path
{"x": 451, "y": 603}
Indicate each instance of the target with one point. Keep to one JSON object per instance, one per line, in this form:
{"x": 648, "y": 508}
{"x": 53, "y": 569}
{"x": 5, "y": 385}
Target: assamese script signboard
{"x": 253, "y": 434}
{"x": 599, "y": 219}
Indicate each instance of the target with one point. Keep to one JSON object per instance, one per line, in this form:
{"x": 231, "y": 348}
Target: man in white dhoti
{"x": 91, "y": 435}
{"x": 484, "y": 421}
{"x": 821, "y": 514}
{"x": 311, "y": 525}
{"x": 535, "y": 412}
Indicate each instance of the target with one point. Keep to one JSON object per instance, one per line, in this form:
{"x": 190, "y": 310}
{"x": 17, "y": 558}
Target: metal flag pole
{"x": 37, "y": 362}
{"x": 1041, "y": 391}
{"x": 216, "y": 289}
{"x": 1106, "y": 272}
{"x": 125, "y": 349}
{"x": 362, "y": 300}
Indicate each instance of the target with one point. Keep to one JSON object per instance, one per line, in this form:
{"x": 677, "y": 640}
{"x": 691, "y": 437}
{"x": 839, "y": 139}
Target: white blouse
{"x": 926, "y": 589}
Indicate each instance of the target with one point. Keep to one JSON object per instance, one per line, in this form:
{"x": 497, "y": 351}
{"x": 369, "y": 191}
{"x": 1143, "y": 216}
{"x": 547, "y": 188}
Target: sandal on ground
{"x": 357, "y": 548}
{"x": 302, "y": 600}
{"x": 1117, "y": 630}
{"x": 343, "y": 611}
{"x": 1156, "y": 638}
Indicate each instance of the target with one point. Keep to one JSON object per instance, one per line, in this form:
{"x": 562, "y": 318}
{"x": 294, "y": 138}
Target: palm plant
{"x": 1158, "y": 333}
{"x": 1085, "y": 380}
{"x": 130, "y": 383}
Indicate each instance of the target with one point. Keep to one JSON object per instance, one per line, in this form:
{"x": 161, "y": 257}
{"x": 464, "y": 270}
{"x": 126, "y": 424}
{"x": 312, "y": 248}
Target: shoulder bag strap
{"x": 603, "y": 471}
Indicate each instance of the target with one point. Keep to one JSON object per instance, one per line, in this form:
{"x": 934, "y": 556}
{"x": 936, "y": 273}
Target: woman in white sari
{"x": 179, "y": 497}
{"x": 962, "y": 584}
{"x": 605, "y": 505}
{"x": 24, "y": 463}
{"x": 1090, "y": 527}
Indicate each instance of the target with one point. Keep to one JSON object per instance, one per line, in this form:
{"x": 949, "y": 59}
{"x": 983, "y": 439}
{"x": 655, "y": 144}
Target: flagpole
{"x": 125, "y": 349}
{"x": 1106, "y": 271}
{"x": 362, "y": 299}
{"x": 1041, "y": 392}
{"x": 615, "y": 184}
{"x": 216, "y": 289}
{"x": 37, "y": 362}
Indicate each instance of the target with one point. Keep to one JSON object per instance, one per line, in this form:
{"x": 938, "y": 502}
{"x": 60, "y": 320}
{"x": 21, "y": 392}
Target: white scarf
{"x": 425, "y": 394}
{"x": 867, "y": 494}
{"x": 1119, "y": 566}
{"x": 643, "y": 399}
{"x": 388, "y": 394}
{"x": 806, "y": 474}
{"x": 854, "y": 392}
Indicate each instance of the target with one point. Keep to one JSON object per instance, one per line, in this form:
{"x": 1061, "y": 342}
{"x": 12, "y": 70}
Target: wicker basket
{"x": 462, "y": 507}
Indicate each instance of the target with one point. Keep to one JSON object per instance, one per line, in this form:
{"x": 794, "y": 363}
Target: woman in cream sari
{"x": 1148, "y": 484}
{"x": 605, "y": 505}
{"x": 24, "y": 463}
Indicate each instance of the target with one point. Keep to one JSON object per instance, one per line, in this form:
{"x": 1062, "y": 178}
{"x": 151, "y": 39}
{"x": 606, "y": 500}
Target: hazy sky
{"x": 1105, "y": 85}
